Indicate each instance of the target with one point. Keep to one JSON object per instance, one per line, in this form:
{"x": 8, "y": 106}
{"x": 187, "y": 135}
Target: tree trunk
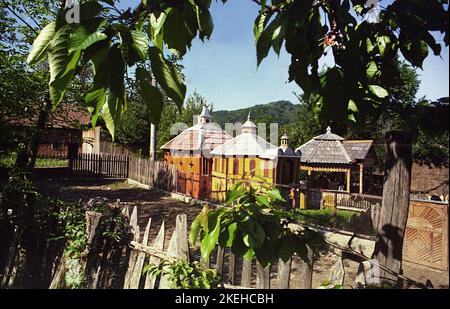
{"x": 26, "y": 159}
{"x": 394, "y": 210}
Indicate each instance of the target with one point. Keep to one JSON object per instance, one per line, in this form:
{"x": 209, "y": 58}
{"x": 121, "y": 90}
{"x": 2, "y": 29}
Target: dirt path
{"x": 149, "y": 203}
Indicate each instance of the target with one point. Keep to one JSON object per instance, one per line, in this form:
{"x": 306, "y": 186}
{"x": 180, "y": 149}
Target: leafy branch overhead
{"x": 364, "y": 53}
{"x": 364, "y": 50}
{"x": 114, "y": 41}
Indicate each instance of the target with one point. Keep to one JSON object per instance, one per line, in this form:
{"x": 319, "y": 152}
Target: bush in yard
{"x": 252, "y": 226}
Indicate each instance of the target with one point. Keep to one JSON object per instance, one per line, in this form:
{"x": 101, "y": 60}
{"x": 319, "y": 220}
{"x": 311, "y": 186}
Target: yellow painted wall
{"x": 219, "y": 182}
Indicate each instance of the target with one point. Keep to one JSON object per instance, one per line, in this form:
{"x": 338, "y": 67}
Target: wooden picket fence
{"x": 235, "y": 273}
{"x": 99, "y": 165}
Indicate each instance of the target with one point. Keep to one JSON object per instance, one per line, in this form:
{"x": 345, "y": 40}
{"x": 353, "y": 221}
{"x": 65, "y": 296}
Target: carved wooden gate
{"x": 426, "y": 236}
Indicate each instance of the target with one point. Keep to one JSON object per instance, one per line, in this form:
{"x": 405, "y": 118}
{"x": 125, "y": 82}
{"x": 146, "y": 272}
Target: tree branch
{"x": 269, "y": 8}
{"x": 31, "y": 17}
{"x": 18, "y": 16}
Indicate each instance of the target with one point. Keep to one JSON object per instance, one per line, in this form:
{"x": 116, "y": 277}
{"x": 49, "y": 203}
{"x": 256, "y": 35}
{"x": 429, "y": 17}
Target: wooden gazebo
{"x": 331, "y": 153}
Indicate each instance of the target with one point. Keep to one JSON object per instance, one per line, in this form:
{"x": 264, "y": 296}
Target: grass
{"x": 323, "y": 217}
{"x": 44, "y": 162}
{"x": 8, "y": 160}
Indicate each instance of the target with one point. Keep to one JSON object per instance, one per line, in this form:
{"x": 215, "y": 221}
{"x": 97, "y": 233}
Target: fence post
{"x": 128, "y": 166}
{"x": 394, "y": 211}
{"x": 284, "y": 270}
{"x": 246, "y": 273}
{"x": 100, "y": 161}
{"x": 306, "y": 270}
{"x": 262, "y": 276}
{"x": 335, "y": 210}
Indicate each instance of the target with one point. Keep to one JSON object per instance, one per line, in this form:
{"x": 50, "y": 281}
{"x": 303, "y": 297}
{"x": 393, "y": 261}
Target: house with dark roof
{"x": 331, "y": 153}
{"x": 190, "y": 151}
{"x": 64, "y": 131}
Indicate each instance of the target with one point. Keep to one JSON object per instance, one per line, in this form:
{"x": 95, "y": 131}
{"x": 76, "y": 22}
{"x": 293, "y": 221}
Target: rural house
{"x": 64, "y": 134}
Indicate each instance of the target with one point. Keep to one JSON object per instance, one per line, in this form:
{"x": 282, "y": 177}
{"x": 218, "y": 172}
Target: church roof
{"x": 199, "y": 137}
{"x": 245, "y": 144}
{"x": 205, "y": 113}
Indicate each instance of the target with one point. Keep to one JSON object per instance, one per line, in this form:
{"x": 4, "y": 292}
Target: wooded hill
{"x": 281, "y": 112}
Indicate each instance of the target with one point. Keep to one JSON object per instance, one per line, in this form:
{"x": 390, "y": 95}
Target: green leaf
{"x": 155, "y": 28}
{"x": 80, "y": 42}
{"x": 372, "y": 69}
{"x": 263, "y": 200}
{"x": 140, "y": 43}
{"x": 249, "y": 240}
{"x": 42, "y": 43}
{"x": 232, "y": 228}
{"x": 205, "y": 22}
{"x": 234, "y": 193}
{"x": 351, "y": 117}
{"x": 260, "y": 23}
{"x": 275, "y": 195}
{"x": 383, "y": 42}
{"x": 150, "y": 94}
{"x": 415, "y": 50}
{"x": 94, "y": 101}
{"x": 249, "y": 254}
{"x": 167, "y": 77}
{"x": 180, "y": 28}
{"x": 265, "y": 39}
{"x": 112, "y": 112}
{"x": 352, "y": 106}
{"x": 378, "y": 91}
{"x": 195, "y": 230}
{"x": 62, "y": 64}
{"x": 210, "y": 240}
{"x": 115, "y": 67}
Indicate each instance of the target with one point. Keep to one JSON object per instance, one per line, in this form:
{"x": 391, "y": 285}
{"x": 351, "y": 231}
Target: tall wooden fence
{"x": 426, "y": 235}
{"x": 152, "y": 173}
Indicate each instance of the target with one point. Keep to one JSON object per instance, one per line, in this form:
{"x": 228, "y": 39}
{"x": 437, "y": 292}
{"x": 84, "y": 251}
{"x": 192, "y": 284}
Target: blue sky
{"x": 224, "y": 70}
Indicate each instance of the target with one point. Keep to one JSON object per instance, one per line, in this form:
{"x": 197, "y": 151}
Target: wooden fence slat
{"x": 246, "y": 273}
{"x": 182, "y": 237}
{"x": 172, "y": 250}
{"x": 337, "y": 273}
{"x": 262, "y": 276}
{"x": 284, "y": 270}
{"x": 219, "y": 260}
{"x": 231, "y": 268}
{"x": 157, "y": 244}
{"x": 137, "y": 271}
{"x": 133, "y": 255}
{"x": 305, "y": 270}
{"x": 126, "y": 212}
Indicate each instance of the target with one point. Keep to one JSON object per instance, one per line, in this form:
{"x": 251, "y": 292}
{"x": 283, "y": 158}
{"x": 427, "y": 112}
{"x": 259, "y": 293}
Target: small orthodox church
{"x": 190, "y": 151}
{"x": 249, "y": 158}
